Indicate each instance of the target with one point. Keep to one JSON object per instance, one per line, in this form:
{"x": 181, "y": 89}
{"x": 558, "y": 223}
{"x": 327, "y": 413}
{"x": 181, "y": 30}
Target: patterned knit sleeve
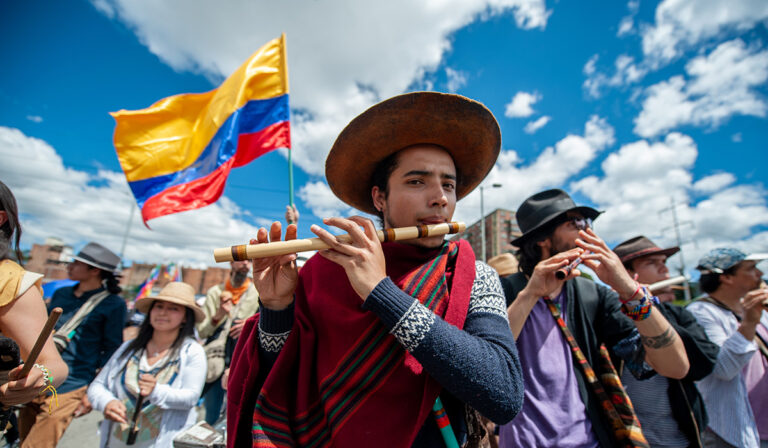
{"x": 479, "y": 364}
{"x": 274, "y": 328}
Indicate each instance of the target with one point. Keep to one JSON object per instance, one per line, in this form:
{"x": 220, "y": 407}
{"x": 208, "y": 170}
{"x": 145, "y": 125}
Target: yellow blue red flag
{"x": 177, "y": 153}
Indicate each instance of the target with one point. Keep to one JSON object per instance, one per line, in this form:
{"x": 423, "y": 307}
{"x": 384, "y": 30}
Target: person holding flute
{"x": 359, "y": 346}
{"x": 733, "y": 315}
{"x": 671, "y": 411}
{"x": 23, "y": 314}
{"x": 155, "y": 379}
{"x": 560, "y": 325}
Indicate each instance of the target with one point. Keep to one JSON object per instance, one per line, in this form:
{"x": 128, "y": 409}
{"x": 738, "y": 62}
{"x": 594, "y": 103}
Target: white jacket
{"x": 177, "y": 399}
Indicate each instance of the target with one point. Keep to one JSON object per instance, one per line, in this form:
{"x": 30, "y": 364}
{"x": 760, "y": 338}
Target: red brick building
{"x": 500, "y": 228}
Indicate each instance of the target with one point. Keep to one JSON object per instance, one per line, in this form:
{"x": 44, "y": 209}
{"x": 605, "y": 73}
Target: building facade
{"x": 500, "y": 228}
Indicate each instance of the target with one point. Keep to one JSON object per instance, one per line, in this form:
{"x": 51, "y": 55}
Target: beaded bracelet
{"x": 48, "y": 378}
{"x": 640, "y": 309}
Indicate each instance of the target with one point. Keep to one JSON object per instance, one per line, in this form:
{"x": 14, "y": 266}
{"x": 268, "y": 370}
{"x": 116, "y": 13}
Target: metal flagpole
{"x": 127, "y": 232}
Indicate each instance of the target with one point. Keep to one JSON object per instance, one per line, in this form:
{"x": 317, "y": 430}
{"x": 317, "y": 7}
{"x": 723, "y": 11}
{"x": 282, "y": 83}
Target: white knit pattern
{"x": 271, "y": 342}
{"x": 487, "y": 294}
{"x": 413, "y": 326}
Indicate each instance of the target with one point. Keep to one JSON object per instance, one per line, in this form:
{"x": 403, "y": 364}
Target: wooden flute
{"x": 251, "y": 251}
{"x": 668, "y": 282}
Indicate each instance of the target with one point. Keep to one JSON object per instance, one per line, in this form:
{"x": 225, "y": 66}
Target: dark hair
{"x": 380, "y": 178}
{"x": 529, "y": 254}
{"x": 710, "y": 281}
{"x": 10, "y": 227}
{"x": 110, "y": 282}
{"x": 145, "y": 332}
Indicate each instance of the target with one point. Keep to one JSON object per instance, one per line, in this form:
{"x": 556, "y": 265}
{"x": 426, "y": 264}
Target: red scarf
{"x": 341, "y": 377}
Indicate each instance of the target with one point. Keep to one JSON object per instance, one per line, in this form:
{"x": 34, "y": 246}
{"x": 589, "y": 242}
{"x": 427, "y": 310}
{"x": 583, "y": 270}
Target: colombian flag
{"x": 177, "y": 153}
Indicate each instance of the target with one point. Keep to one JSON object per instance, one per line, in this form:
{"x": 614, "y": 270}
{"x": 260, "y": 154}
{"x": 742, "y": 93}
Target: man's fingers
{"x": 291, "y": 232}
{"x": 349, "y": 226}
{"x": 331, "y": 240}
{"x": 275, "y": 231}
{"x": 368, "y": 228}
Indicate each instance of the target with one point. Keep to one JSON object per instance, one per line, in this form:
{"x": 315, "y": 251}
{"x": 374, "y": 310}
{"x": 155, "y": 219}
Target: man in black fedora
{"x": 560, "y": 324}
{"x": 89, "y": 330}
{"x": 671, "y": 411}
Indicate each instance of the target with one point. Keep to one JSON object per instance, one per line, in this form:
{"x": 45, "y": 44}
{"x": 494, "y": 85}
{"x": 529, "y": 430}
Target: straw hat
{"x": 505, "y": 264}
{"x": 465, "y": 128}
{"x": 179, "y": 293}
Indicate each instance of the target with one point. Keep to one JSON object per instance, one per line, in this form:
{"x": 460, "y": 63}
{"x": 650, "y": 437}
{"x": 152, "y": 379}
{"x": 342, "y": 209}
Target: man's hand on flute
{"x": 362, "y": 258}
{"x": 275, "y": 277}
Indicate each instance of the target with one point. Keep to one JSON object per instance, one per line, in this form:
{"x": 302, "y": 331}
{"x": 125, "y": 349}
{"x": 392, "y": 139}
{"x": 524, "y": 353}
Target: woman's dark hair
{"x": 145, "y": 332}
{"x": 110, "y": 282}
{"x": 529, "y": 254}
{"x": 8, "y": 243}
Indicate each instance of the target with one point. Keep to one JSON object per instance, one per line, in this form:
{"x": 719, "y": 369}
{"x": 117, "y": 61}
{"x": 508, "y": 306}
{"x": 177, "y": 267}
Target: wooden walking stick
{"x": 41, "y": 339}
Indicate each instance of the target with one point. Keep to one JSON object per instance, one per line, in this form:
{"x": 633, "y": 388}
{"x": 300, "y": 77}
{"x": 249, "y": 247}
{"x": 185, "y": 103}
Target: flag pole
{"x": 285, "y": 89}
{"x": 127, "y": 232}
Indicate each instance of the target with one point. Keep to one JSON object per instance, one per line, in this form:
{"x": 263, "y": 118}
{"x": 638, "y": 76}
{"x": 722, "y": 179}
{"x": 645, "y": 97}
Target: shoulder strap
{"x": 67, "y": 330}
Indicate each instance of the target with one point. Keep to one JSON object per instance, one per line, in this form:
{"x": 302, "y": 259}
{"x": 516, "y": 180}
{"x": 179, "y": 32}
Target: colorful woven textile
{"x": 615, "y": 403}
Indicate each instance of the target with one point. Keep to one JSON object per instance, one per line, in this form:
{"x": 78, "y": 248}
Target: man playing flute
{"x": 356, "y": 349}
{"x": 671, "y": 411}
{"x": 562, "y": 407}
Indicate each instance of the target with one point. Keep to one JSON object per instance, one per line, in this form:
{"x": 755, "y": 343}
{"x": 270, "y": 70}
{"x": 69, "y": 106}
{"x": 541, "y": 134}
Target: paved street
{"x": 82, "y": 433}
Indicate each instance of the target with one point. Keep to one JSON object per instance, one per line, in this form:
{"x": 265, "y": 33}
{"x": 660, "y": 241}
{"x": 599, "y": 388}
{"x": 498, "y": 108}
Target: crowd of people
{"x": 395, "y": 344}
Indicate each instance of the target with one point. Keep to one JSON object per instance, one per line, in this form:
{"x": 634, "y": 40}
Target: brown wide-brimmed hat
{"x": 542, "y": 208}
{"x": 641, "y": 246}
{"x": 179, "y": 293}
{"x": 465, "y": 128}
{"x": 505, "y": 264}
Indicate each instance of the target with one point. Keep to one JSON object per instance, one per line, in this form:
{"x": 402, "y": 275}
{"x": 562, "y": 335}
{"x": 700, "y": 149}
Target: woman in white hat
{"x": 164, "y": 366}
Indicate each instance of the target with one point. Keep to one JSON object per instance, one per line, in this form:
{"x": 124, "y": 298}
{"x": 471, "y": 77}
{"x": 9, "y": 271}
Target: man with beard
{"x": 226, "y": 307}
{"x": 732, "y": 315}
{"x": 561, "y": 407}
{"x": 671, "y": 411}
{"x": 382, "y": 344}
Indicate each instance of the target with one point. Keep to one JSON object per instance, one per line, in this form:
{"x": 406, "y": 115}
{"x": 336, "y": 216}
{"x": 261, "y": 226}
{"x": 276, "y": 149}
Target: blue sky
{"x": 636, "y": 102}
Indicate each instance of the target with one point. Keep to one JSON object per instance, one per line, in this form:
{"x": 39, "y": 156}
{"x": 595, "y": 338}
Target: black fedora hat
{"x": 641, "y": 246}
{"x": 542, "y": 208}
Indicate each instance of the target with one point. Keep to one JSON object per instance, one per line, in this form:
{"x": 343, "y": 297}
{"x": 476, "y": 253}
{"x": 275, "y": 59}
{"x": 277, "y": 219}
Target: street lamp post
{"x": 482, "y": 220}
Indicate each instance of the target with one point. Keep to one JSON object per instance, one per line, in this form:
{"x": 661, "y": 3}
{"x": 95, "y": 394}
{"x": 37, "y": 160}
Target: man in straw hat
{"x": 89, "y": 331}
{"x": 377, "y": 332}
{"x": 562, "y": 407}
{"x": 671, "y": 411}
{"x": 732, "y": 313}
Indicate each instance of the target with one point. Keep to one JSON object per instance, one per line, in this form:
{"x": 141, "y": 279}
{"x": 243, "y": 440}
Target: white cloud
{"x": 357, "y": 62}
{"x": 626, "y": 71}
{"x": 35, "y": 118}
{"x": 713, "y": 183}
{"x": 736, "y": 138}
{"x": 456, "y": 79}
{"x": 552, "y": 168}
{"x": 626, "y": 26}
{"x": 533, "y": 126}
{"x": 521, "y": 105}
{"x": 639, "y": 182}
{"x": 78, "y": 206}
{"x": 681, "y": 24}
{"x": 321, "y": 200}
{"x": 720, "y": 85}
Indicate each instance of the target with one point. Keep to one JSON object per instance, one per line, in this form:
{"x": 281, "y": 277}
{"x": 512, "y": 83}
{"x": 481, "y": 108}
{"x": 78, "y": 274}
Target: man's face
{"x": 652, "y": 269}
{"x": 745, "y": 277}
{"x": 241, "y": 266}
{"x": 421, "y": 190}
{"x": 79, "y": 271}
{"x": 564, "y": 236}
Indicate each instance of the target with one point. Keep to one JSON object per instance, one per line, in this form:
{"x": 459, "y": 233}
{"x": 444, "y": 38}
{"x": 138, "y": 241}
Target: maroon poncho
{"x": 341, "y": 378}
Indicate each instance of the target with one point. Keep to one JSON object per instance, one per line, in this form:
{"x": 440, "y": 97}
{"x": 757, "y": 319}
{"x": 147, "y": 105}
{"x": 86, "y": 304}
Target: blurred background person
{"x": 164, "y": 364}
{"x": 22, "y": 312}
{"x": 671, "y": 411}
{"x": 89, "y": 331}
